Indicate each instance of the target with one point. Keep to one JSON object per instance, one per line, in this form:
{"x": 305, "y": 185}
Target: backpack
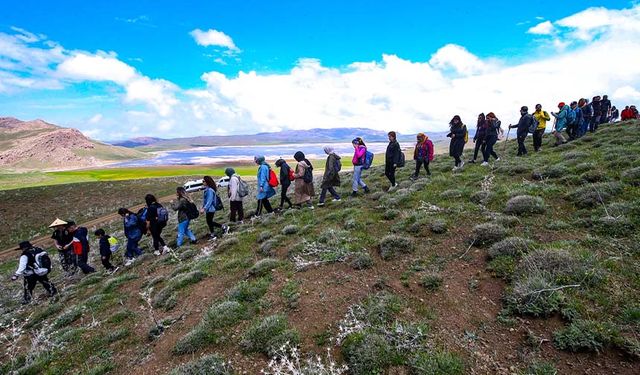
{"x": 292, "y": 176}
{"x": 192, "y": 211}
{"x": 113, "y": 244}
{"x": 308, "y": 174}
{"x": 368, "y": 159}
{"x": 534, "y": 124}
{"x": 218, "y": 202}
{"x": 338, "y": 165}
{"x": 163, "y": 214}
{"x": 466, "y": 135}
{"x": 571, "y": 116}
{"x": 38, "y": 261}
{"x": 273, "y": 179}
{"x": 141, "y": 215}
{"x": 401, "y": 161}
{"x": 429, "y": 149}
{"x": 243, "y": 188}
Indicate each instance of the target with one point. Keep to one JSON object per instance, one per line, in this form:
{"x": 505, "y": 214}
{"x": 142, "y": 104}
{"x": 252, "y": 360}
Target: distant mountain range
{"x": 282, "y": 137}
{"x": 28, "y": 145}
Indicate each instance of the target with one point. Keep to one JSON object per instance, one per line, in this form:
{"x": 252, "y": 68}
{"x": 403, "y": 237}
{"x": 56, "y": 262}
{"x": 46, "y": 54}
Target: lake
{"x": 223, "y": 154}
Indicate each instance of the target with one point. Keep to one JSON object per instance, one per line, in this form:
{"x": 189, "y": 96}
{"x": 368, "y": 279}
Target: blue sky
{"x": 155, "y": 39}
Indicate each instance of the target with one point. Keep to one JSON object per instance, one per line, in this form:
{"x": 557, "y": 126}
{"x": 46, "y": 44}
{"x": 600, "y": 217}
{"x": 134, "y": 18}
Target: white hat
{"x": 57, "y": 222}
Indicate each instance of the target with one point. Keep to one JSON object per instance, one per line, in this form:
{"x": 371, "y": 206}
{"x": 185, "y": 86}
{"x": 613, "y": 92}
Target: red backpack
{"x": 429, "y": 149}
{"x": 292, "y": 176}
{"x": 273, "y": 179}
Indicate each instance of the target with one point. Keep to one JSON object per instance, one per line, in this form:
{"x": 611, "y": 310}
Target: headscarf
{"x": 259, "y": 159}
{"x": 421, "y": 135}
{"x": 229, "y": 171}
{"x": 299, "y": 156}
{"x": 280, "y": 162}
{"x": 327, "y": 149}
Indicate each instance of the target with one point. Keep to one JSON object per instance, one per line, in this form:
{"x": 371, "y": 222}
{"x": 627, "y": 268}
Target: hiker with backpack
{"x": 303, "y": 184}
{"x": 524, "y": 127}
{"x": 393, "y": 158}
{"x": 574, "y": 121}
{"x": 63, "y": 240}
{"x": 106, "y": 249}
{"x": 605, "y": 108}
{"x": 34, "y": 265}
{"x": 236, "y": 191}
{"x": 491, "y": 137}
{"x": 156, "y": 217}
{"x": 331, "y": 176}
{"x": 561, "y": 122}
{"x": 614, "y": 114}
{"x": 133, "y": 232}
{"x": 597, "y": 114}
{"x": 267, "y": 180}
{"x": 459, "y": 136}
{"x": 587, "y": 114}
{"x": 479, "y": 137}
{"x": 542, "y": 117}
{"x": 422, "y": 154}
{"x": 286, "y": 177}
{"x": 187, "y": 211}
{"x": 359, "y": 161}
{"x": 211, "y": 202}
{"x": 81, "y": 247}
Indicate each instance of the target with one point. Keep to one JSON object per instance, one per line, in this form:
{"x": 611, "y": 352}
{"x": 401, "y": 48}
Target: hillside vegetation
{"x": 530, "y": 266}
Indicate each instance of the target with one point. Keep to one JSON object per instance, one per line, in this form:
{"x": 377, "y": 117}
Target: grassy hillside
{"x": 528, "y": 267}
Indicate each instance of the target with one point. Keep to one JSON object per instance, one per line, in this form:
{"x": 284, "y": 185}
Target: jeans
{"x": 210, "y": 223}
{"x": 357, "y": 178}
{"x": 183, "y": 229}
{"x": 156, "y": 231}
{"x": 390, "y": 172}
{"x": 235, "y": 207}
{"x": 522, "y": 149}
{"x": 132, "y": 248}
{"x": 488, "y": 150}
{"x": 537, "y": 139}
{"x": 30, "y": 284}
{"x": 419, "y": 164}
{"x": 331, "y": 190}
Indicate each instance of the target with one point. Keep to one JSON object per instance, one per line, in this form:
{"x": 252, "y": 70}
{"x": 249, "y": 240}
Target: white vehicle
{"x": 195, "y": 185}
{"x": 223, "y": 181}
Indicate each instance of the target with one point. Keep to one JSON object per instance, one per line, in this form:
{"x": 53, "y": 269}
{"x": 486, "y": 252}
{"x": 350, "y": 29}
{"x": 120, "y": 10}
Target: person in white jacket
{"x": 235, "y": 200}
{"x": 33, "y": 274}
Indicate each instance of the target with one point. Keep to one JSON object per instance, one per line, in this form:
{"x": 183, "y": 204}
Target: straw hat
{"x": 57, "y": 222}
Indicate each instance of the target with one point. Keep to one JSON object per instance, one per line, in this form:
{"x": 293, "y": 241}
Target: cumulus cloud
{"x": 543, "y": 28}
{"x": 213, "y": 37}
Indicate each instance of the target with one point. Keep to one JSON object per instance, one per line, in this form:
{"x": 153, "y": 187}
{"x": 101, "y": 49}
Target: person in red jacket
{"x": 626, "y": 114}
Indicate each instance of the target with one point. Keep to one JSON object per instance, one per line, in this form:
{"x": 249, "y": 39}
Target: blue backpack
{"x": 368, "y": 160}
{"x": 571, "y": 116}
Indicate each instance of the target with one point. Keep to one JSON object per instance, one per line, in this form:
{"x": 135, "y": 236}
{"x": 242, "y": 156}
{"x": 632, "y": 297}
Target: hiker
{"x": 491, "y": 137}
{"x": 634, "y": 112}
{"x": 62, "y": 240}
{"x": 358, "y": 160}
{"x": 210, "y": 201}
{"x": 303, "y": 187}
{"x": 479, "y": 137}
{"x": 597, "y": 113}
{"x": 34, "y": 265}
{"x": 561, "y": 123}
{"x": 614, "y": 114}
{"x": 458, "y": 135}
{"x": 574, "y": 121}
{"x": 392, "y": 159}
{"x": 542, "y": 117}
{"x": 185, "y": 207}
{"x": 627, "y": 114}
{"x": 133, "y": 233}
{"x": 157, "y": 217}
{"x": 522, "y": 129}
{"x": 235, "y": 196}
{"x": 286, "y": 176}
{"x": 422, "y": 154}
{"x": 81, "y": 247}
{"x": 105, "y": 250}
{"x": 585, "y": 111}
{"x": 331, "y": 176}
{"x": 605, "y": 108}
{"x": 265, "y": 190}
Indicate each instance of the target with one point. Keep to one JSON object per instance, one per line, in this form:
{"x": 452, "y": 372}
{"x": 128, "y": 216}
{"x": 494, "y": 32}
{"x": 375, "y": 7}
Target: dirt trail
{"x": 44, "y": 241}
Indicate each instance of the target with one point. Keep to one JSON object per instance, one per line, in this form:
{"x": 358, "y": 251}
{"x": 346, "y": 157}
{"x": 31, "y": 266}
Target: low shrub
{"x": 507, "y": 221}
{"x": 593, "y": 176}
{"x": 510, "y": 246}
{"x": 227, "y": 243}
{"x": 487, "y": 234}
{"x": 268, "y": 335}
{"x": 362, "y": 261}
{"x": 436, "y": 362}
{"x": 390, "y": 214}
{"x": 481, "y": 197}
{"x": 438, "y": 226}
{"x": 212, "y": 364}
{"x": 163, "y": 297}
{"x": 68, "y": 317}
{"x": 264, "y": 267}
{"x": 263, "y": 236}
{"x": 502, "y": 266}
{"x": 290, "y": 229}
{"x": 451, "y": 194}
{"x": 431, "y": 281}
{"x": 585, "y": 335}
{"x": 392, "y": 244}
{"x": 248, "y": 291}
{"x": 632, "y": 176}
{"x": 266, "y": 248}
{"x": 43, "y": 314}
{"x": 367, "y": 353}
{"x": 592, "y": 195}
{"x": 613, "y": 226}
{"x": 541, "y": 368}
{"x": 524, "y": 205}
{"x": 225, "y": 314}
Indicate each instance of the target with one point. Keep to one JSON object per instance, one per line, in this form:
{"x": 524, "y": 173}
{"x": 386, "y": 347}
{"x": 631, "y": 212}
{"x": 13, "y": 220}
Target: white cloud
{"x": 213, "y": 37}
{"x": 459, "y": 59}
{"x": 543, "y": 28}
{"x": 96, "y": 67}
{"x": 95, "y": 119}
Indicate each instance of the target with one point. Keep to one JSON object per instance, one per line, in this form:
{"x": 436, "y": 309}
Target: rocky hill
{"x": 39, "y": 145}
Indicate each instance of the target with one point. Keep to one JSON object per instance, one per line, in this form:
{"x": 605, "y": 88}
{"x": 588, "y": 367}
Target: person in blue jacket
{"x": 561, "y": 122}
{"x": 210, "y": 195}
{"x": 265, "y": 191}
{"x": 133, "y": 233}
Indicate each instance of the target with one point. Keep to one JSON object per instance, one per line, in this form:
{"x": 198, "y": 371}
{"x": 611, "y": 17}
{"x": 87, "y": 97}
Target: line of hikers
{"x": 72, "y": 241}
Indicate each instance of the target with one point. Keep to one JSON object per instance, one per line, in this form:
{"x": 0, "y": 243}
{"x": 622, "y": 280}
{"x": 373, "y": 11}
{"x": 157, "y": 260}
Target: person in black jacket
{"x": 285, "y": 182}
{"x": 605, "y": 109}
{"x": 479, "y": 137}
{"x": 526, "y": 120}
{"x": 392, "y": 158}
{"x": 457, "y": 133}
{"x": 493, "y": 130}
{"x": 105, "y": 250}
{"x": 596, "y": 104}
{"x": 28, "y": 267}
{"x": 155, "y": 226}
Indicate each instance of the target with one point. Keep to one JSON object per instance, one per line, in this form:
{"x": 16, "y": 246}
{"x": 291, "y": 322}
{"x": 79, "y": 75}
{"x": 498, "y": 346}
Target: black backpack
{"x": 192, "y": 211}
{"x": 401, "y": 160}
{"x": 163, "y": 214}
{"x": 141, "y": 217}
{"x": 308, "y": 174}
{"x": 38, "y": 259}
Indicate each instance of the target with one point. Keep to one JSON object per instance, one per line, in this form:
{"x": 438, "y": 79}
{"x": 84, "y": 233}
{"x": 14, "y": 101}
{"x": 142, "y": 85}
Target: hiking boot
{"x": 462, "y": 164}
{"x": 225, "y": 229}
{"x": 337, "y": 199}
{"x": 157, "y": 253}
{"x": 166, "y": 249}
{"x": 366, "y": 190}
{"x": 128, "y": 262}
{"x": 484, "y": 164}
{"x": 320, "y": 204}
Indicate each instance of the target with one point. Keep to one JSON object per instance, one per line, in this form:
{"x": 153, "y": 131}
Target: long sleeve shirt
{"x": 22, "y": 267}
{"x": 358, "y": 155}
